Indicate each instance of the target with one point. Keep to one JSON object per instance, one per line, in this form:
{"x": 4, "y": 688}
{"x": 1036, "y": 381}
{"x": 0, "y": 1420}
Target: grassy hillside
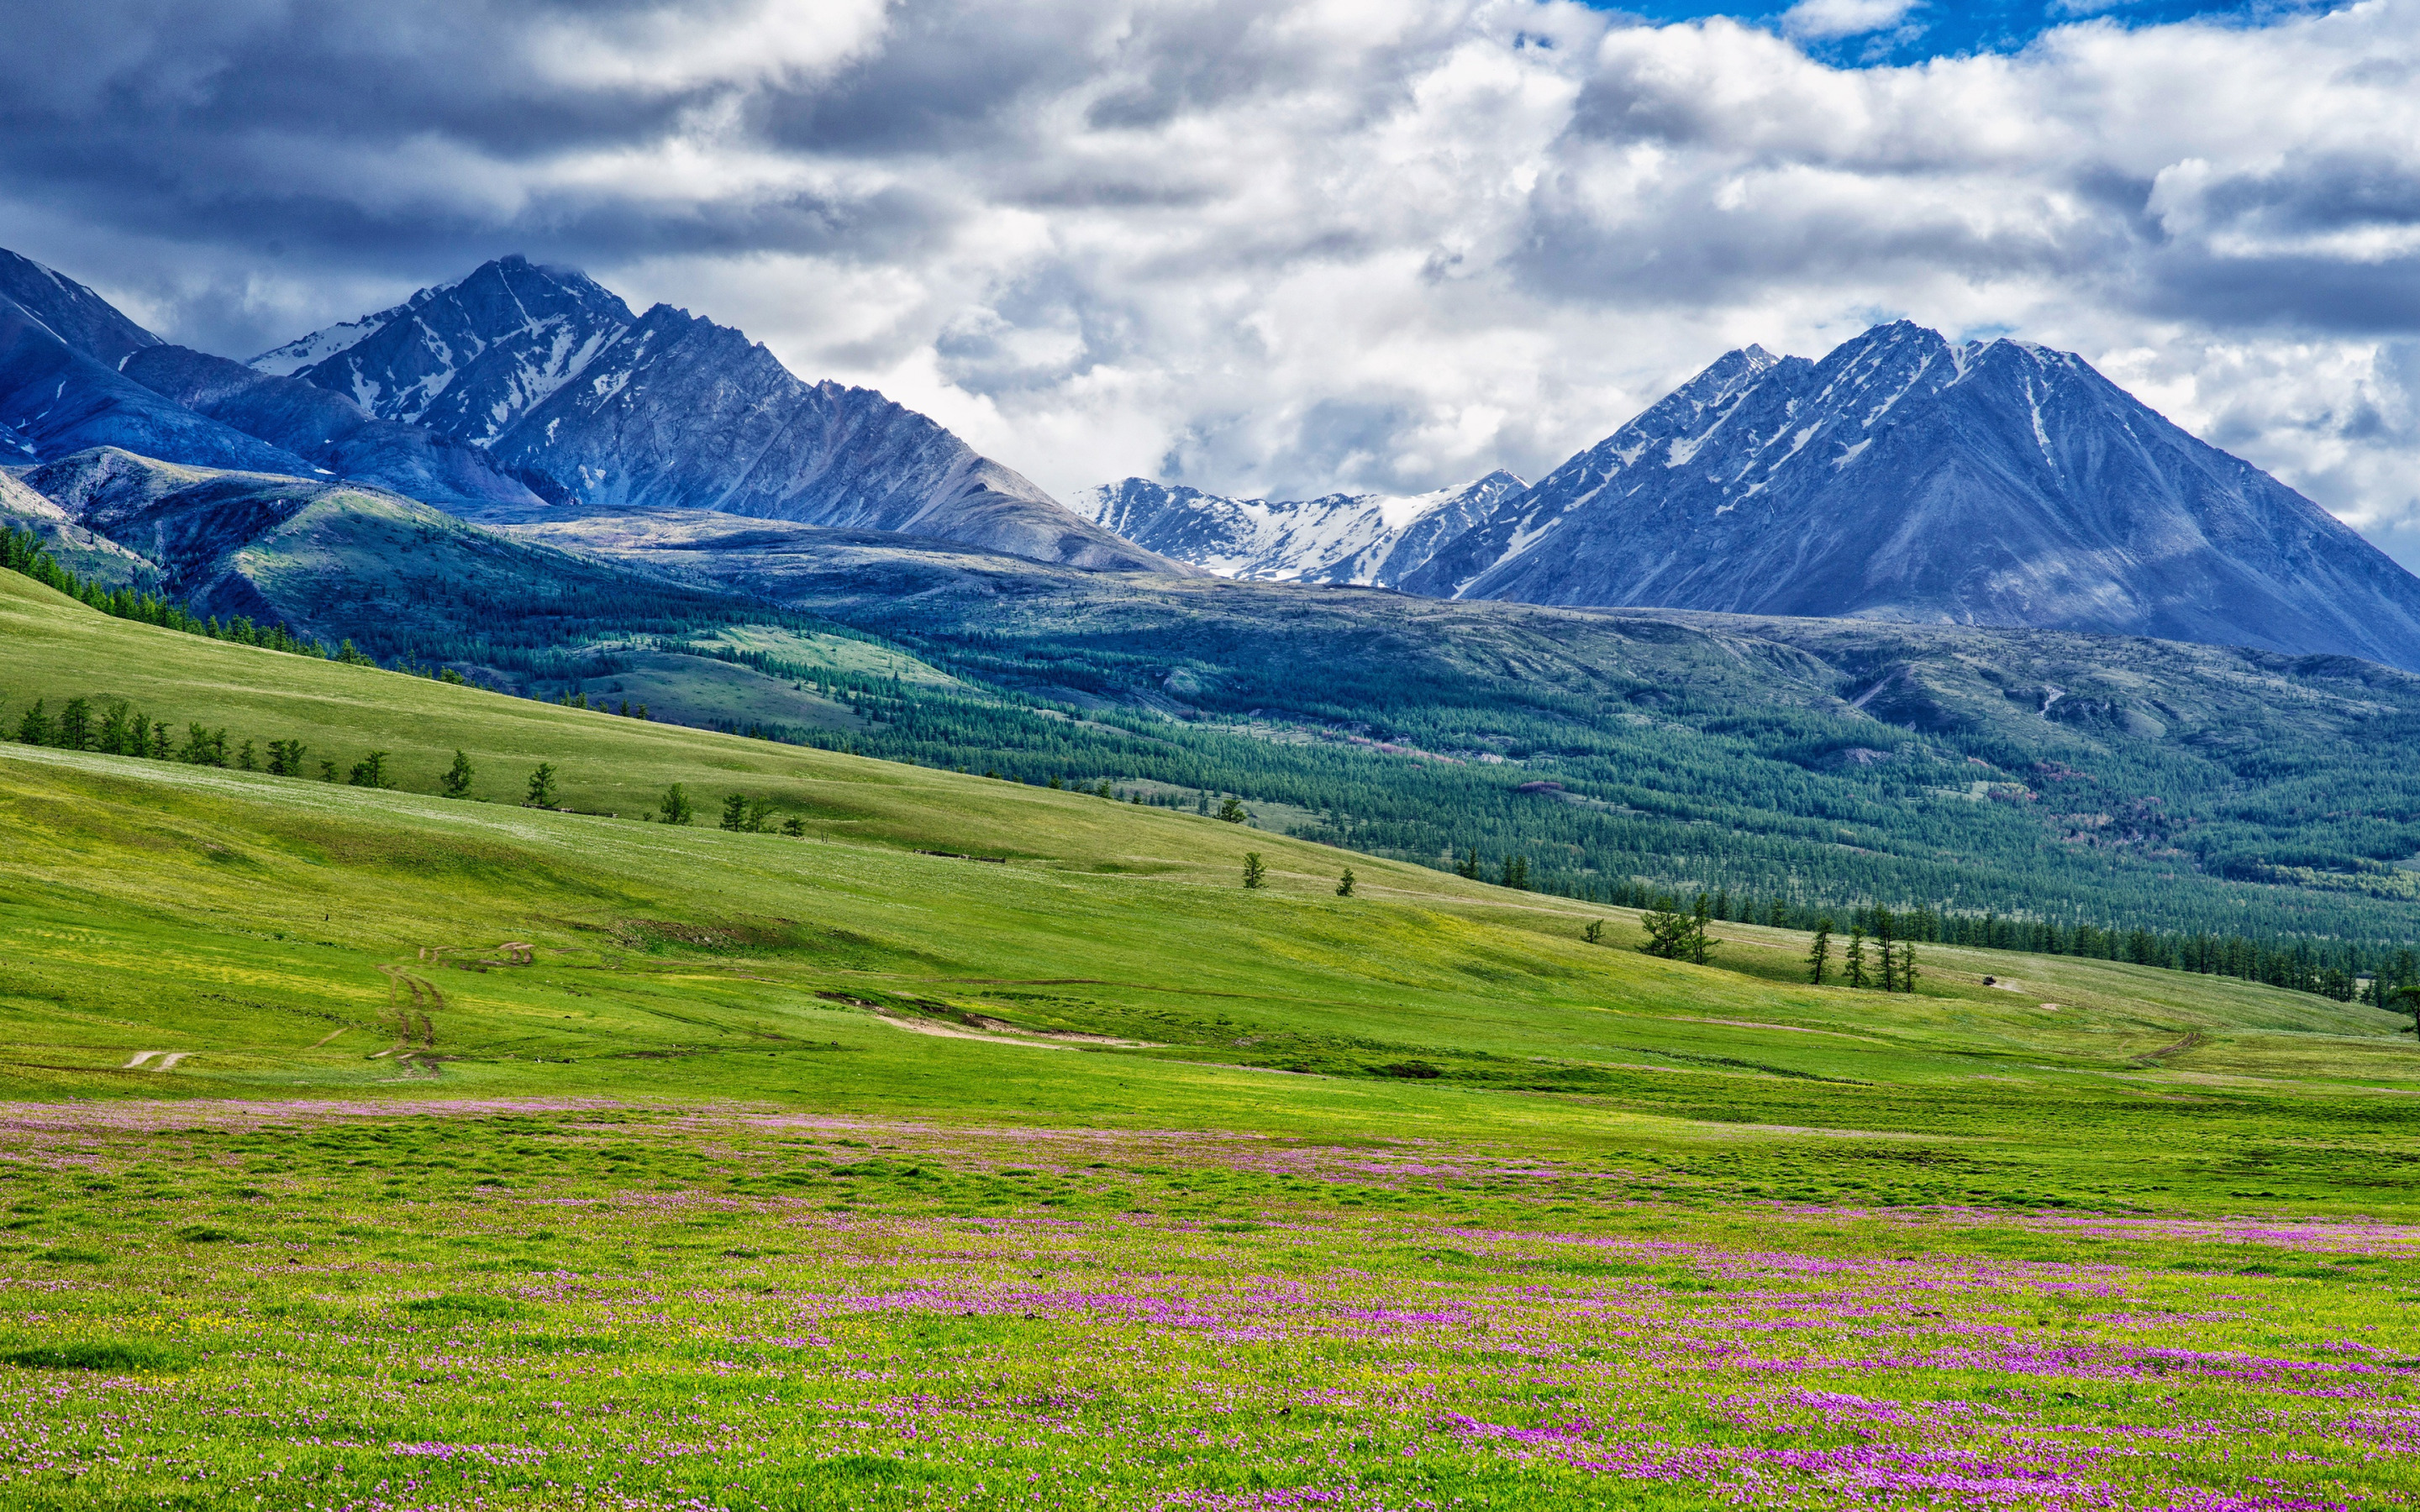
{"x": 2067, "y": 778}
{"x": 2075, "y": 778}
{"x": 362, "y": 1148}
{"x": 292, "y": 936}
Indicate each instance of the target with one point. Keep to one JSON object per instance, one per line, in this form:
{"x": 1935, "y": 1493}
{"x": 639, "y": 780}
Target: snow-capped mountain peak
{"x": 468, "y": 357}
{"x": 548, "y": 374}
{"x": 1365, "y": 538}
{"x": 1904, "y": 477}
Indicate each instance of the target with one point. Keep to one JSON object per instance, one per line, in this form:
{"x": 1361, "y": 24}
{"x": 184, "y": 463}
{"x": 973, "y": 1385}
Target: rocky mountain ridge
{"x": 551, "y": 374}
{"x": 1905, "y": 478}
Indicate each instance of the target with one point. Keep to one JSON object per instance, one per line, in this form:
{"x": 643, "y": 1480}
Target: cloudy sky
{"x": 1281, "y": 247}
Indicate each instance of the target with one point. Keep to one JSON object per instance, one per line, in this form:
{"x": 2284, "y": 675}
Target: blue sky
{"x": 1950, "y": 29}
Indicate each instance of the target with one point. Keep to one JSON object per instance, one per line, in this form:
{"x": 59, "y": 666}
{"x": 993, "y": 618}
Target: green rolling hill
{"x": 293, "y": 936}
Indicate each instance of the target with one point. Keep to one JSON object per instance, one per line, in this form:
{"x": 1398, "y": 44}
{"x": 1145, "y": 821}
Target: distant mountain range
{"x": 550, "y": 374}
{"x": 516, "y": 393}
{"x": 1365, "y": 538}
{"x": 1900, "y": 478}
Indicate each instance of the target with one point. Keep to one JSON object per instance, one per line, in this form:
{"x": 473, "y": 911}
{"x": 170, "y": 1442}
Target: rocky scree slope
{"x": 553, "y": 375}
{"x": 1367, "y": 539}
{"x": 1904, "y": 478}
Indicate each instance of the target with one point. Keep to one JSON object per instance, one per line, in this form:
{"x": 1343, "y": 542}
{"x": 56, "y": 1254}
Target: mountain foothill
{"x": 1959, "y": 558}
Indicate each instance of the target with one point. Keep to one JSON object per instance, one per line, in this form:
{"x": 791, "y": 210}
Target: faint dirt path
{"x": 943, "y": 1031}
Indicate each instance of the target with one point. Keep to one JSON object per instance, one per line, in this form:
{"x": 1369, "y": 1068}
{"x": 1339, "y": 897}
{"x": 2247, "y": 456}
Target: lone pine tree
{"x": 456, "y": 783}
{"x": 1820, "y": 953}
{"x": 541, "y": 786}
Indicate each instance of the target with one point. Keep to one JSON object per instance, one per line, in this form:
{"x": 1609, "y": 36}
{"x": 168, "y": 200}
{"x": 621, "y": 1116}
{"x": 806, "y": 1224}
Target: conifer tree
{"x": 675, "y": 808}
{"x": 244, "y": 759}
{"x": 1887, "y": 945}
{"x": 541, "y": 786}
{"x": 75, "y": 725}
{"x": 1907, "y": 966}
{"x": 1819, "y": 954}
{"x": 759, "y": 810}
{"x": 1344, "y": 884}
{"x": 1232, "y": 811}
{"x": 1516, "y": 872}
{"x": 1255, "y": 874}
{"x": 116, "y": 737}
{"x": 734, "y": 811}
{"x": 1856, "y": 960}
{"x": 794, "y": 827}
{"x": 1594, "y": 933}
{"x": 1667, "y": 928}
{"x": 370, "y": 771}
{"x": 2409, "y": 998}
{"x": 34, "y": 728}
{"x": 1468, "y": 865}
{"x": 456, "y": 783}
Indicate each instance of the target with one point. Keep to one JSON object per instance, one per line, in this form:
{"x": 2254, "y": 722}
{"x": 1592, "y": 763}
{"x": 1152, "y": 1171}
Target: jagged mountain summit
{"x": 1365, "y": 538}
{"x": 553, "y": 375}
{"x": 1905, "y": 478}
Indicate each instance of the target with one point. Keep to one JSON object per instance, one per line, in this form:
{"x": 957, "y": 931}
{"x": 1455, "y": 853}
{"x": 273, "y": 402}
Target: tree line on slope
{"x": 1860, "y": 849}
{"x": 1637, "y": 812}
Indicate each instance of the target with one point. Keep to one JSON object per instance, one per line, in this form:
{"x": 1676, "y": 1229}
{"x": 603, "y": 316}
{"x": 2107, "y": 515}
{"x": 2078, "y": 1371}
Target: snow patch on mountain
{"x": 1369, "y": 539}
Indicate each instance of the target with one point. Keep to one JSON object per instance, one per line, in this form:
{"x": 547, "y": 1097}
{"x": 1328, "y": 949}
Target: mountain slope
{"x": 88, "y": 553}
{"x": 338, "y": 560}
{"x": 57, "y": 400}
{"x": 552, "y": 374}
{"x": 1902, "y": 478}
{"x": 75, "y": 313}
{"x": 329, "y": 429}
{"x": 1369, "y": 539}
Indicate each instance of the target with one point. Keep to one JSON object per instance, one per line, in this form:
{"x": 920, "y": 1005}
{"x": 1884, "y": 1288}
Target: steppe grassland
{"x": 545, "y": 1305}
{"x": 538, "y": 1159}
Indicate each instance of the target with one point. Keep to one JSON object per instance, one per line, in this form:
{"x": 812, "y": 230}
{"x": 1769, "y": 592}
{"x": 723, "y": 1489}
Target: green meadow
{"x": 989, "y": 1144}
